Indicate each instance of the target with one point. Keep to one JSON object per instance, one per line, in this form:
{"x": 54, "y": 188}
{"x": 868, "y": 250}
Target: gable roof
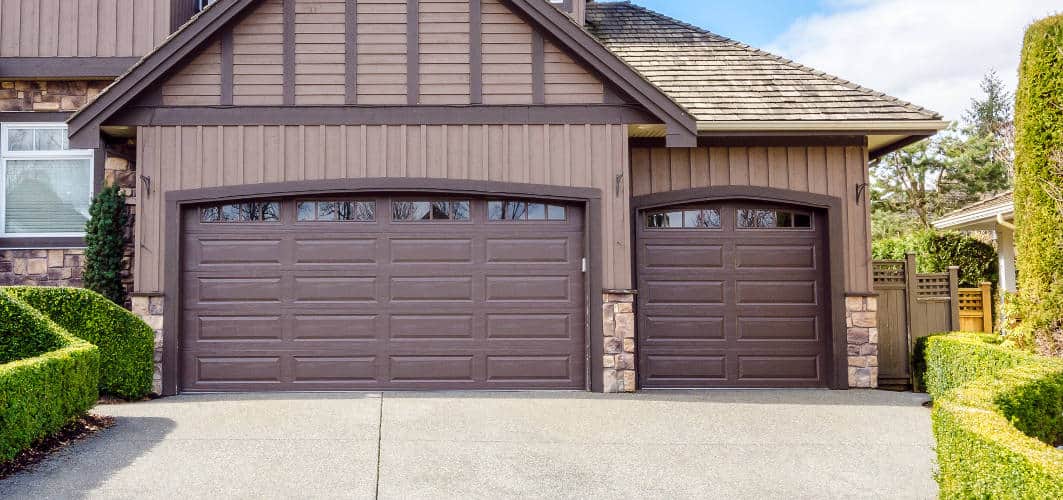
{"x": 721, "y": 81}
{"x": 981, "y": 211}
{"x": 83, "y": 125}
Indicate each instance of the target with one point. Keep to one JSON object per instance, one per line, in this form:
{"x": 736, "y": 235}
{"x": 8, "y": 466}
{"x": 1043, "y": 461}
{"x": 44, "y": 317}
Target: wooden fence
{"x": 976, "y": 308}
{"x": 911, "y": 305}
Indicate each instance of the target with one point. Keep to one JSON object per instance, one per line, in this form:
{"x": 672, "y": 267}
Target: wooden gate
{"x": 910, "y": 305}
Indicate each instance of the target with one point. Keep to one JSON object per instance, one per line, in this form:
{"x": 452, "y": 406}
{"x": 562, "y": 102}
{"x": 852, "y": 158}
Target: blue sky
{"x": 755, "y": 22}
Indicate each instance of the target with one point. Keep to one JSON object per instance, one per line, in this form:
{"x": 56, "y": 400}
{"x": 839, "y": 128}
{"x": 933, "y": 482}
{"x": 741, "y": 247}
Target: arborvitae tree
{"x": 105, "y": 238}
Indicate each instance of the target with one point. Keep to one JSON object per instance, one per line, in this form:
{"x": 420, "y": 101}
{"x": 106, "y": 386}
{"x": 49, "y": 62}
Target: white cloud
{"x": 930, "y": 52}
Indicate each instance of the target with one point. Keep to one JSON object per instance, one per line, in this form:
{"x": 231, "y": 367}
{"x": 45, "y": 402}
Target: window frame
{"x": 369, "y": 201}
{"x": 792, "y": 212}
{"x": 431, "y": 220}
{"x": 66, "y": 154}
{"x": 526, "y": 219}
{"x": 682, "y": 210}
{"x": 200, "y": 210}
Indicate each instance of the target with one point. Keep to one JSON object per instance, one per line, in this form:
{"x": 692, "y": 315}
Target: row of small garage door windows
{"x": 365, "y": 211}
{"x": 745, "y": 218}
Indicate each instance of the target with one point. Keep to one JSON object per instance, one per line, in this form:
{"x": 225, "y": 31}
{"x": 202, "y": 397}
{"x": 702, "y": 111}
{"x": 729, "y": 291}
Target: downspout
{"x": 1002, "y": 222}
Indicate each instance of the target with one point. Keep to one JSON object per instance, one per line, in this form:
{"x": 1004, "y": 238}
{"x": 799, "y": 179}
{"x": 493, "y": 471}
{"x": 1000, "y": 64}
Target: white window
{"x": 202, "y": 4}
{"x": 45, "y": 187}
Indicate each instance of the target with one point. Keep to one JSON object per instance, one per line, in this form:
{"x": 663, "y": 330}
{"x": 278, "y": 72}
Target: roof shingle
{"x": 718, "y": 80}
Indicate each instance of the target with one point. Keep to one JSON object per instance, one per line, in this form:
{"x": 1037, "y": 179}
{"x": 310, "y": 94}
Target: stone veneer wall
{"x": 618, "y": 317}
{"x": 56, "y": 267}
{"x": 149, "y": 307}
{"x": 32, "y": 95}
{"x": 861, "y": 324}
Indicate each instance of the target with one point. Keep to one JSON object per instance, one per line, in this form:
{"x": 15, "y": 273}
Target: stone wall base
{"x": 149, "y": 307}
{"x": 618, "y": 363}
{"x": 56, "y": 267}
{"x": 861, "y": 324}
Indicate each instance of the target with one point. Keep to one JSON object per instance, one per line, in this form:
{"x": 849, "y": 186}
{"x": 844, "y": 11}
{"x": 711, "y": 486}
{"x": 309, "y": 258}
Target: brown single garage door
{"x": 382, "y": 292}
{"x": 732, "y": 295}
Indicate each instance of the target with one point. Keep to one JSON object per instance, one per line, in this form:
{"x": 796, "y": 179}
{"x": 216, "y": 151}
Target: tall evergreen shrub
{"x": 105, "y": 239}
{"x": 1039, "y": 137}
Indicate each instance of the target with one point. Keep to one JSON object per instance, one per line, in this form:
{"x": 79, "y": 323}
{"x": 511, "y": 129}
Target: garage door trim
{"x": 838, "y": 377}
{"x": 177, "y": 201}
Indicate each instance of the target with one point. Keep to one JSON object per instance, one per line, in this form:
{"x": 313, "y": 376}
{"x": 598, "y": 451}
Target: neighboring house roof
{"x": 982, "y": 212}
{"x": 721, "y": 81}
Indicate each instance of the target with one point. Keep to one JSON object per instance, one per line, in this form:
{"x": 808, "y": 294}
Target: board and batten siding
{"x": 190, "y": 157}
{"x": 82, "y": 28}
{"x": 510, "y": 70}
{"x": 832, "y": 170}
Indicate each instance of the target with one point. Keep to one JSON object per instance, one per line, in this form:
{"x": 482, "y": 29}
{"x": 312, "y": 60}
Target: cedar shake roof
{"x": 719, "y": 80}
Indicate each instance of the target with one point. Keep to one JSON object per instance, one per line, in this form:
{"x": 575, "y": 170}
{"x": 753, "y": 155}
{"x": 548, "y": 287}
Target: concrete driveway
{"x": 721, "y": 444}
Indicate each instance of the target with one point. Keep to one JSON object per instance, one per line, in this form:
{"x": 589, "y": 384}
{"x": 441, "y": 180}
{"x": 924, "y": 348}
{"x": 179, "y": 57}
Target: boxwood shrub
{"x": 54, "y": 382}
{"x": 997, "y": 413}
{"x": 127, "y": 344}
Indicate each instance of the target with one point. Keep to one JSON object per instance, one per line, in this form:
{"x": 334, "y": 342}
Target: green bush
{"x": 46, "y": 390}
{"x": 105, "y": 241}
{"x": 127, "y": 344}
{"x": 1039, "y": 136}
{"x": 937, "y": 251}
{"x": 997, "y": 412}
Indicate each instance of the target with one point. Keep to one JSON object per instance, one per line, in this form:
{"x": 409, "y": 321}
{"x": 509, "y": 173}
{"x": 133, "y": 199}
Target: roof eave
{"x": 861, "y": 126}
{"x": 973, "y": 217}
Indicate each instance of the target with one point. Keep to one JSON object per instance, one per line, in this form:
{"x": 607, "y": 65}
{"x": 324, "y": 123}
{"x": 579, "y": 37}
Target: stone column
{"x": 149, "y": 307}
{"x": 861, "y": 325}
{"x": 618, "y": 364}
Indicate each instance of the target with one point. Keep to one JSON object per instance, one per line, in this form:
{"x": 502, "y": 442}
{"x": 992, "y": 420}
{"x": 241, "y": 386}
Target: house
{"x": 995, "y": 214}
{"x": 466, "y": 194}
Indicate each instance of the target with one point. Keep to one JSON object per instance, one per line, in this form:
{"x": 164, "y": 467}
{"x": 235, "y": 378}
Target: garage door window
{"x": 696, "y": 218}
{"x": 518, "y": 210}
{"x": 772, "y": 219}
{"x": 423, "y": 211}
{"x": 268, "y": 211}
{"x": 336, "y": 211}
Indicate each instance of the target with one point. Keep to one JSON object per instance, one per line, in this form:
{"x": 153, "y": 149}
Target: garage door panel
{"x": 794, "y": 328}
{"x": 776, "y": 292}
{"x": 431, "y": 326}
{"x": 237, "y": 290}
{"x": 335, "y": 369}
{"x": 684, "y": 370}
{"x": 529, "y": 288}
{"x": 430, "y": 251}
{"x": 334, "y": 289}
{"x": 538, "y": 368}
{"x": 684, "y": 292}
{"x": 384, "y": 305}
{"x": 532, "y": 326}
{"x": 665, "y": 329}
{"x": 529, "y": 251}
{"x": 309, "y": 327}
{"x": 335, "y": 251}
{"x": 431, "y": 369}
{"x": 775, "y": 257}
{"x": 793, "y": 368}
{"x": 682, "y": 255}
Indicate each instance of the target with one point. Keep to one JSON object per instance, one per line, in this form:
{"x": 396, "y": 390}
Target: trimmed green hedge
{"x": 996, "y": 409}
{"x": 1039, "y": 236}
{"x": 127, "y": 344}
{"x": 48, "y": 388}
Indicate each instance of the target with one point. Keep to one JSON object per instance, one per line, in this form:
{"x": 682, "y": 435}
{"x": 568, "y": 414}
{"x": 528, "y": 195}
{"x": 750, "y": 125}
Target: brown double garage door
{"x": 382, "y": 292}
{"x": 733, "y": 295}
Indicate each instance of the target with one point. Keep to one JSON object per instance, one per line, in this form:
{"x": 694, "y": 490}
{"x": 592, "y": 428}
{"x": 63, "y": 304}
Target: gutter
{"x": 1004, "y": 223}
{"x": 985, "y": 215}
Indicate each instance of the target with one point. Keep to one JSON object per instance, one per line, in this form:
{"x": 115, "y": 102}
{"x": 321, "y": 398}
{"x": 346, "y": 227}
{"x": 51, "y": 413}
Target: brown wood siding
{"x": 198, "y": 83}
{"x": 507, "y": 56}
{"x": 566, "y": 82}
{"x": 320, "y": 69}
{"x": 258, "y": 56}
{"x": 381, "y": 49}
{"x": 833, "y": 171}
{"x": 444, "y": 50}
{"x": 563, "y": 155}
{"x": 82, "y": 28}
